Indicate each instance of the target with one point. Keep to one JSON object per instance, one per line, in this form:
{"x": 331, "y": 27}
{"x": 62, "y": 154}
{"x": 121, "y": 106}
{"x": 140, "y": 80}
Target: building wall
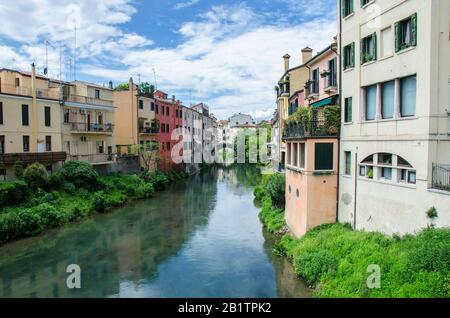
{"x": 321, "y": 63}
{"x": 126, "y": 130}
{"x": 378, "y": 204}
{"x": 240, "y": 120}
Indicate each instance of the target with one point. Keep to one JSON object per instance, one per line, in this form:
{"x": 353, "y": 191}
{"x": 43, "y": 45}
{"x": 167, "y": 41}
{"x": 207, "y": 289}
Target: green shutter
{"x": 414, "y": 29}
{"x": 352, "y": 55}
{"x": 375, "y": 48}
{"x": 398, "y": 36}
{"x": 344, "y": 8}
{"x": 350, "y": 109}
{"x": 362, "y": 51}
{"x": 351, "y": 6}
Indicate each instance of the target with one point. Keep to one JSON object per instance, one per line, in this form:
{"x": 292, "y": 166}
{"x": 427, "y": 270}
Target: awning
{"x": 325, "y": 102}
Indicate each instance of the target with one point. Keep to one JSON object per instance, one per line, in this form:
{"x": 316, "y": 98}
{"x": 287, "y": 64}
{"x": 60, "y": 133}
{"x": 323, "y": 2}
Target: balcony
{"x": 441, "y": 177}
{"x": 93, "y": 159}
{"x": 149, "y": 130}
{"x": 88, "y": 100}
{"x": 310, "y": 129}
{"x": 31, "y": 157}
{"x": 46, "y": 93}
{"x": 99, "y": 129}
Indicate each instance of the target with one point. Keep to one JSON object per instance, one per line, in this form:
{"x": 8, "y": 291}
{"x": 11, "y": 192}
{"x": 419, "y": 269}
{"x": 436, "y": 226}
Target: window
{"x": 152, "y": 106}
{"x": 349, "y": 56}
{"x": 163, "y": 110}
{"x": 406, "y": 33}
{"x": 97, "y": 94}
{"x": 141, "y": 104}
{"x": 2, "y": 145}
{"x": 408, "y": 96}
{"x": 324, "y": 156}
{"x": 348, "y": 110}
{"x": 48, "y": 143}
{"x": 296, "y": 154}
{"x": 168, "y": 145}
{"x": 25, "y": 117}
{"x": 364, "y": 2}
{"x": 176, "y": 113}
{"x": 156, "y": 109}
{"x": 386, "y": 173}
{"x": 347, "y": 7}
{"x": 388, "y": 99}
{"x": 26, "y": 143}
{"x": 369, "y": 48}
{"x": 17, "y": 82}
{"x": 386, "y": 42}
{"x": 181, "y": 113}
{"x": 289, "y": 153}
{"x": 101, "y": 147}
{"x": 302, "y": 156}
{"x": 66, "y": 116}
{"x": 47, "y": 113}
{"x": 371, "y": 102}
{"x": 1, "y": 113}
{"x": 385, "y": 159}
{"x": 100, "y": 118}
{"x": 167, "y": 111}
{"x": 348, "y": 163}
{"x": 332, "y": 73}
{"x": 315, "y": 81}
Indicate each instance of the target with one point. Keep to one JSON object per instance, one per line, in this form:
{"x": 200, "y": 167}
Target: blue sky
{"x": 225, "y": 53}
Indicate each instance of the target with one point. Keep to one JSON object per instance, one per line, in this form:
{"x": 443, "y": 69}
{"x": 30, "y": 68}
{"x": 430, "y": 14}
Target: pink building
{"x": 312, "y": 149}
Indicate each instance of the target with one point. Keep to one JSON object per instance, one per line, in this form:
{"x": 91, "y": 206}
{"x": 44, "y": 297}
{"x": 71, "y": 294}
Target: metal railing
{"x": 88, "y": 100}
{"x": 31, "y": 157}
{"x": 92, "y": 158}
{"x": 148, "y": 130}
{"x": 441, "y": 177}
{"x": 317, "y": 128}
{"x": 94, "y": 128}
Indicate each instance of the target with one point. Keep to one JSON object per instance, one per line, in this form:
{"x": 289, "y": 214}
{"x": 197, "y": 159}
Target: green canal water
{"x": 200, "y": 238}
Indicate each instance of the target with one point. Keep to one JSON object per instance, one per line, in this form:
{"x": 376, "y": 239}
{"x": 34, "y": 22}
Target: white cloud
{"x": 183, "y": 5}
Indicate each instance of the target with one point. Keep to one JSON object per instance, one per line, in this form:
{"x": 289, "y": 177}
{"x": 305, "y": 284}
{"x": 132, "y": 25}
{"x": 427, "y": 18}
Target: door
{"x": 88, "y": 122}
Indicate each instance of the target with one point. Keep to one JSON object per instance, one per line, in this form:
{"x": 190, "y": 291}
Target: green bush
{"x": 36, "y": 176}
{"x": 158, "y": 179}
{"x": 68, "y": 188}
{"x": 272, "y": 217}
{"x": 81, "y": 175}
{"x": 18, "y": 169}
{"x": 56, "y": 180}
{"x": 12, "y": 192}
{"x": 144, "y": 190}
{"x": 100, "y": 203}
{"x": 50, "y": 216}
{"x": 313, "y": 264}
{"x": 276, "y": 189}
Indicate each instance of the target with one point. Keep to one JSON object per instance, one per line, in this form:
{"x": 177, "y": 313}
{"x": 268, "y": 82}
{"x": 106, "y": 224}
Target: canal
{"x": 200, "y": 238}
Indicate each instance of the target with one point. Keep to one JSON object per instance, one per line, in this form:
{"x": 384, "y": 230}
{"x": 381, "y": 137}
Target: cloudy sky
{"x": 225, "y": 53}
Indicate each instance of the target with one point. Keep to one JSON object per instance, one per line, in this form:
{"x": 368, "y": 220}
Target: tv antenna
{"x": 46, "y": 70}
{"x": 154, "y": 75}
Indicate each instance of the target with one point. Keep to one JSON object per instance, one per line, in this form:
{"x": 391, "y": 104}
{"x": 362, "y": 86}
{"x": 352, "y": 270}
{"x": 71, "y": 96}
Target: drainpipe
{"x": 356, "y": 188}
{"x": 33, "y": 117}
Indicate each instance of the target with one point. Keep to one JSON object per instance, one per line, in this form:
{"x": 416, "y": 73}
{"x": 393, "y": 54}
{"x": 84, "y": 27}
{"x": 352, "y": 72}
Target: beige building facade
{"x": 395, "y": 146}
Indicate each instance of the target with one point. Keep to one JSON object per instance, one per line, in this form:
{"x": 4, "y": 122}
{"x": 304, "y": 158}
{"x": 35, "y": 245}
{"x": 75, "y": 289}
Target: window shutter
{"x": 414, "y": 30}
{"x": 352, "y": 55}
{"x": 363, "y": 49}
{"x": 344, "y": 8}
{"x": 397, "y": 36}
{"x": 351, "y": 6}
{"x": 350, "y": 110}
{"x": 375, "y": 48}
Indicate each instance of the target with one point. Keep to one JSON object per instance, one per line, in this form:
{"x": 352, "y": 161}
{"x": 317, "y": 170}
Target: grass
{"x": 334, "y": 259}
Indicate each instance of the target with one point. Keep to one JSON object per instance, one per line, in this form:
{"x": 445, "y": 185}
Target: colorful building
{"x": 312, "y": 148}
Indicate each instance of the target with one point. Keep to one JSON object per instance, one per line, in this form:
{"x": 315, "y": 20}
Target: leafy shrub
{"x": 272, "y": 217}
{"x": 158, "y": 179}
{"x": 18, "y": 169}
{"x": 276, "y": 189}
{"x": 12, "y": 192}
{"x": 100, "y": 203}
{"x": 116, "y": 199}
{"x": 50, "y": 216}
{"x": 56, "y": 180}
{"x": 20, "y": 223}
{"x": 81, "y": 175}
{"x": 68, "y": 188}
{"x": 312, "y": 265}
{"x": 41, "y": 197}
{"x": 36, "y": 176}
{"x": 144, "y": 190}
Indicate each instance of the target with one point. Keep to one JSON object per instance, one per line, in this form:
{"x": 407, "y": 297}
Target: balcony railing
{"x": 88, "y": 100}
{"x": 50, "y": 93}
{"x": 93, "y": 128}
{"x": 148, "y": 130}
{"x": 93, "y": 158}
{"x": 31, "y": 157}
{"x": 317, "y": 128}
{"x": 441, "y": 177}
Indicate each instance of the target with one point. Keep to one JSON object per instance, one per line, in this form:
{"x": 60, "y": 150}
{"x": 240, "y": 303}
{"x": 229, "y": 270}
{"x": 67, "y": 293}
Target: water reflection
{"x": 201, "y": 238}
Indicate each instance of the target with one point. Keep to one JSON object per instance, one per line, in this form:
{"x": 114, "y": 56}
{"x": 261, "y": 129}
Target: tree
{"x": 122, "y": 87}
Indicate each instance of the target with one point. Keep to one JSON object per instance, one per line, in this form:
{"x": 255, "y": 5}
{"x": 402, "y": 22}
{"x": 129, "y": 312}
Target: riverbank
{"x": 37, "y": 202}
{"x": 336, "y": 261}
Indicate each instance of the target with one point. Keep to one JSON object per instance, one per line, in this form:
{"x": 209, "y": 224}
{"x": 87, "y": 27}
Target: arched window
{"x": 387, "y": 167}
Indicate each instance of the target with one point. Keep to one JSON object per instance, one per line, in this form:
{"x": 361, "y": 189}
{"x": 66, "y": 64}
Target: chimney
{"x": 131, "y": 84}
{"x": 286, "y": 62}
{"x": 110, "y": 84}
{"x": 173, "y": 99}
{"x": 306, "y": 54}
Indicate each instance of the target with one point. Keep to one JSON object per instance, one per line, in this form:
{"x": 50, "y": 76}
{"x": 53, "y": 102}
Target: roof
{"x": 93, "y": 85}
{"x": 28, "y": 74}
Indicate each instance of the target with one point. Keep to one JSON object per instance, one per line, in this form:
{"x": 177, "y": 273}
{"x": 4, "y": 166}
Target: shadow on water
{"x": 200, "y": 238}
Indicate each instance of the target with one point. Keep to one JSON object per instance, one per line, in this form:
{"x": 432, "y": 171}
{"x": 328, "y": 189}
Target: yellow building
{"x": 87, "y": 118}
{"x": 291, "y": 83}
{"x": 30, "y": 121}
{"x": 136, "y": 122}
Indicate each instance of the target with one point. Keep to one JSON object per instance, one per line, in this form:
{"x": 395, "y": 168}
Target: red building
{"x": 169, "y": 114}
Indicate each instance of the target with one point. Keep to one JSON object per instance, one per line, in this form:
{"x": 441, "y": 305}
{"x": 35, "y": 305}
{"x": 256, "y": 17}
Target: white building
{"x": 241, "y": 120}
{"x": 395, "y": 102}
